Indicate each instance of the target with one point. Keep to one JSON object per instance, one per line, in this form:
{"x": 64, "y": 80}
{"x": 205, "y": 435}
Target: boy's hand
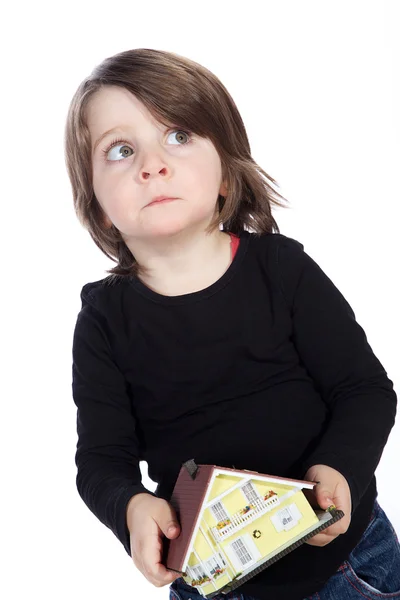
{"x": 331, "y": 489}
{"x": 148, "y": 520}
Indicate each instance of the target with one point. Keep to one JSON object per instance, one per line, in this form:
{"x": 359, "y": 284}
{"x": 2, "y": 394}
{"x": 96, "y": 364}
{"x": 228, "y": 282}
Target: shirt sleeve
{"x": 352, "y": 382}
{"x": 107, "y": 452}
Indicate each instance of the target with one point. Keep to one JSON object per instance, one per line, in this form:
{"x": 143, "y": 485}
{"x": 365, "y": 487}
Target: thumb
{"x": 169, "y": 523}
{"x": 323, "y": 495}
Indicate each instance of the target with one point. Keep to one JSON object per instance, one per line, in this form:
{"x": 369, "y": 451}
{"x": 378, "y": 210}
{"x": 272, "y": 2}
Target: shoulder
{"x": 103, "y": 291}
{"x": 297, "y": 274}
{"x": 100, "y": 321}
{"x": 101, "y": 304}
{"x": 282, "y": 259}
{"x": 276, "y": 248}
{"x": 272, "y": 239}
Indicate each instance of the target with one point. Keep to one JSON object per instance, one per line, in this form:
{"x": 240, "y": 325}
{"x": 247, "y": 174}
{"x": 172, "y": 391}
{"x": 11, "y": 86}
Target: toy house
{"x": 235, "y": 523}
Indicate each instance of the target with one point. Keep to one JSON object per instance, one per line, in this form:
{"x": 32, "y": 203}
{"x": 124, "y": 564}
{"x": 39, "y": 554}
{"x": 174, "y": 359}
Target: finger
{"x": 330, "y": 533}
{"x": 324, "y": 495}
{"x": 167, "y": 522}
{"x": 319, "y": 496}
{"x": 163, "y": 576}
{"x": 340, "y": 526}
{"x": 153, "y": 569}
{"x": 151, "y": 559}
{"x": 342, "y": 499}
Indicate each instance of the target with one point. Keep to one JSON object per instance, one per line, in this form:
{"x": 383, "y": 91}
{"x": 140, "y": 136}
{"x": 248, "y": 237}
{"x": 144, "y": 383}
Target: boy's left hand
{"x": 331, "y": 489}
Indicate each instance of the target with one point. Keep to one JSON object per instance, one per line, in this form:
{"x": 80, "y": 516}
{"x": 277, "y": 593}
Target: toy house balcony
{"x": 239, "y": 519}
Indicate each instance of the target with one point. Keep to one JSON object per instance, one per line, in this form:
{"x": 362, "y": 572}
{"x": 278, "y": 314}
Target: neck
{"x": 185, "y": 266}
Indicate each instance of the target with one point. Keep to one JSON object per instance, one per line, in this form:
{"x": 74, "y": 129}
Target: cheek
{"x": 203, "y": 178}
{"x": 113, "y": 196}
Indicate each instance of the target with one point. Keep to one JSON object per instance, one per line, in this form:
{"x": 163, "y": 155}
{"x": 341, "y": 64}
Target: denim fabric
{"x": 371, "y": 572}
{"x": 179, "y": 590}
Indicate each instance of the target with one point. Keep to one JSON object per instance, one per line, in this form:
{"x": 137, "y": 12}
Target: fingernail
{"x": 171, "y": 530}
{"x": 329, "y": 500}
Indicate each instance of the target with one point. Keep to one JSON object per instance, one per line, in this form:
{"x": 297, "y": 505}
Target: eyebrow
{"x": 103, "y": 135}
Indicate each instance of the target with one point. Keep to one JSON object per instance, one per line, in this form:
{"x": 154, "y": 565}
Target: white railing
{"x": 238, "y": 520}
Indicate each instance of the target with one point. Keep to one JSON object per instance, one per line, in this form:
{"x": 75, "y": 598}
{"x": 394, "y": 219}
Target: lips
{"x": 161, "y": 199}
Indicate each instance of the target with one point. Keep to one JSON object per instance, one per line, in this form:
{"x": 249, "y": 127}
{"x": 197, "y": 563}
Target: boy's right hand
{"x": 148, "y": 520}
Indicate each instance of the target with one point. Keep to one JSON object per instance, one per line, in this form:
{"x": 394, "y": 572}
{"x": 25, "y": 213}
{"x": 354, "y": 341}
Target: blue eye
{"x": 126, "y": 148}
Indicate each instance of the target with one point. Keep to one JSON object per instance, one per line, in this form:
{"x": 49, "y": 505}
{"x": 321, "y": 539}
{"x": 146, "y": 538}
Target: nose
{"x": 145, "y": 174}
{"x": 153, "y": 163}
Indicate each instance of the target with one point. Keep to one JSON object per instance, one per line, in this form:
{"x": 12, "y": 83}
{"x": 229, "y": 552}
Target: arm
{"x": 107, "y": 454}
{"x": 352, "y": 382}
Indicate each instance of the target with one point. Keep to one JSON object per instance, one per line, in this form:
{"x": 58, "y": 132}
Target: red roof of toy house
{"x": 187, "y": 498}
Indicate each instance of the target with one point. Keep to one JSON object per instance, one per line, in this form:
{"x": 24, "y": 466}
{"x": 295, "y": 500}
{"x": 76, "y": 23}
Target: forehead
{"x": 113, "y": 107}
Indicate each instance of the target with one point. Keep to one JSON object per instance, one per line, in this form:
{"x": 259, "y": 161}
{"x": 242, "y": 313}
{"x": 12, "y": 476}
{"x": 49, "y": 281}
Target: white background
{"x": 317, "y": 85}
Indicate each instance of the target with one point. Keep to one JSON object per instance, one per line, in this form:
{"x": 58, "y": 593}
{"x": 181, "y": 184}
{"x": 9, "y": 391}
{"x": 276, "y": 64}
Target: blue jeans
{"x": 371, "y": 571}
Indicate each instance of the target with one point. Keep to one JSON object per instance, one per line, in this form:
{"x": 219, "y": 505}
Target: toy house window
{"x": 213, "y": 563}
{"x": 250, "y": 492}
{"x": 286, "y": 518}
{"x": 241, "y": 552}
{"x": 198, "y": 571}
{"x": 219, "y": 511}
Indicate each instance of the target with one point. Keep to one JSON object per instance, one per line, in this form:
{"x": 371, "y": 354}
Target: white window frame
{"x": 193, "y": 571}
{"x": 215, "y": 562}
{"x": 278, "y": 518}
{"x": 251, "y": 549}
{"x": 218, "y": 509}
{"x": 250, "y": 492}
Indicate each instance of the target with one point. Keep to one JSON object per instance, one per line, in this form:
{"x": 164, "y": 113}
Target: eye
{"x": 114, "y": 146}
{"x": 180, "y": 135}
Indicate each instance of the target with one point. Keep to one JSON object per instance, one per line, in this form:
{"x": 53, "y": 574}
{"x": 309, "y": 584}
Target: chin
{"x": 168, "y": 228}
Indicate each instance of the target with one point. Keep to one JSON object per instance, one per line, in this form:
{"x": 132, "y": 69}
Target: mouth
{"x": 162, "y": 200}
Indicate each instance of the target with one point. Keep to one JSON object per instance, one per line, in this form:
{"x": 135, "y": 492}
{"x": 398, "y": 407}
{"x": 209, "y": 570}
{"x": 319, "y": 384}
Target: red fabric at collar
{"x": 235, "y": 241}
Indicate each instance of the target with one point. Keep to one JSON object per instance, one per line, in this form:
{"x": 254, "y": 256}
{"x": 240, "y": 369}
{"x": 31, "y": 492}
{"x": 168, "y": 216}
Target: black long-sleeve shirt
{"x": 265, "y": 370}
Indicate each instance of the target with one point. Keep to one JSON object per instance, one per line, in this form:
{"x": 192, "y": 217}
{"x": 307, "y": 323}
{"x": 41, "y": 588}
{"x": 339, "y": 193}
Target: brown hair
{"x": 175, "y": 90}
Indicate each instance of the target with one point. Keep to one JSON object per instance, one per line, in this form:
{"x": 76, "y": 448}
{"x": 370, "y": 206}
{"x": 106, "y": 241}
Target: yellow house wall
{"x": 236, "y": 500}
{"x": 271, "y": 539}
{"x": 204, "y": 552}
{"x": 222, "y": 483}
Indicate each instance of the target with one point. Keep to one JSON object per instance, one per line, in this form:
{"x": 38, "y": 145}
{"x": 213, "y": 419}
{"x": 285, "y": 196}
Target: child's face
{"x": 150, "y": 161}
